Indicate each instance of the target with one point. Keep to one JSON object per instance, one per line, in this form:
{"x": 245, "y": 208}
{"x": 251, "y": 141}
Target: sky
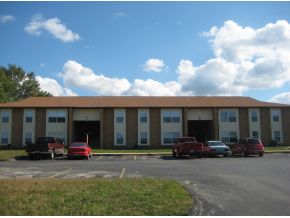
{"x": 151, "y": 48}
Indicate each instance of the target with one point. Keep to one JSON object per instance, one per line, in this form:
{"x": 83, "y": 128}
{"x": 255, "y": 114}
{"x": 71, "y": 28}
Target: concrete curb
{"x": 164, "y": 153}
{"x": 129, "y": 154}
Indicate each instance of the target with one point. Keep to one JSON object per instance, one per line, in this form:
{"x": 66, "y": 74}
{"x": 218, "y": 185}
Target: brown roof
{"x": 138, "y": 101}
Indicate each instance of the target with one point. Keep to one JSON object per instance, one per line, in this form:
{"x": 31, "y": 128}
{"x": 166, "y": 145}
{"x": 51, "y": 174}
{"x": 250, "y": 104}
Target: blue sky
{"x": 151, "y": 48}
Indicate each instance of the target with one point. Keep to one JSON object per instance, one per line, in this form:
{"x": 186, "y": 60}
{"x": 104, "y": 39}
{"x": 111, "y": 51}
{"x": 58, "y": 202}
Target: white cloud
{"x": 283, "y": 98}
{"x": 76, "y": 75}
{"x": 53, "y": 26}
{"x": 154, "y": 88}
{"x": 154, "y": 65}
{"x": 53, "y": 87}
{"x": 245, "y": 58}
{"x": 6, "y": 18}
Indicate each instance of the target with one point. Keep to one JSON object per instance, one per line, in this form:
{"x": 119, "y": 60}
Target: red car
{"x": 79, "y": 149}
{"x": 189, "y": 146}
{"x": 248, "y": 146}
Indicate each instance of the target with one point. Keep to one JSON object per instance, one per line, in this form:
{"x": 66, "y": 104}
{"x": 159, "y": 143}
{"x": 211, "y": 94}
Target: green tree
{"x": 16, "y": 84}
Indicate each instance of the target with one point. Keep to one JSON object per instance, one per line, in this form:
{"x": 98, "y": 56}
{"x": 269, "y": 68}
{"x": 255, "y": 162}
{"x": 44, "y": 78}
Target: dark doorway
{"x": 92, "y": 128}
{"x": 202, "y": 130}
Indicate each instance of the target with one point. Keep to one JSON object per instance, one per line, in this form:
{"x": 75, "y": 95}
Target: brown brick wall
{"x": 155, "y": 128}
{"x": 40, "y": 122}
{"x": 184, "y": 121}
{"x": 215, "y": 124}
{"x": 265, "y": 125}
{"x": 17, "y": 126}
{"x": 70, "y": 126}
{"x": 244, "y": 122}
{"x": 108, "y": 127}
{"x": 132, "y": 127}
{"x": 286, "y": 125}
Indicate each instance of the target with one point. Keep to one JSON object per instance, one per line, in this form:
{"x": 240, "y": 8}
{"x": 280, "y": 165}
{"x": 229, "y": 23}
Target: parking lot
{"x": 220, "y": 186}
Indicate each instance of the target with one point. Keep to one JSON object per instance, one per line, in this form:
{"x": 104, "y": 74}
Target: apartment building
{"x": 131, "y": 121}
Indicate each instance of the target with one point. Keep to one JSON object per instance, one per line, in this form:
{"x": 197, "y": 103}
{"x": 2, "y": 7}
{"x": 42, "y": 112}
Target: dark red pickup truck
{"x": 48, "y": 146}
{"x": 188, "y": 146}
{"x": 248, "y": 146}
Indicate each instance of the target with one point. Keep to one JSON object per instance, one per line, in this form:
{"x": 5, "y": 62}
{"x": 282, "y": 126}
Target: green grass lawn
{"x": 8, "y": 154}
{"x": 277, "y": 149}
{"x": 94, "y": 197}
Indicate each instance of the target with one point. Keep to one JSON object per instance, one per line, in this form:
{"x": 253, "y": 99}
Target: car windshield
{"x": 189, "y": 139}
{"x": 45, "y": 140}
{"x": 78, "y": 144}
{"x": 254, "y": 141}
{"x": 216, "y": 144}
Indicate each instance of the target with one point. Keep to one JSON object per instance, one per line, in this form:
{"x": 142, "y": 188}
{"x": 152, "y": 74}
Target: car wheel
{"x": 31, "y": 156}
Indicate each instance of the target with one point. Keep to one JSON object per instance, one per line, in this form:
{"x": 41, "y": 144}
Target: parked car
{"x": 48, "y": 146}
{"x": 217, "y": 148}
{"x": 248, "y": 146}
{"x": 188, "y": 146}
{"x": 79, "y": 149}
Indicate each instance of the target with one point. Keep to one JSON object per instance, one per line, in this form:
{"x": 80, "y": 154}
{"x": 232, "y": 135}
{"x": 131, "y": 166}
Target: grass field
{"x": 277, "y": 149}
{"x": 8, "y": 154}
{"x": 93, "y": 197}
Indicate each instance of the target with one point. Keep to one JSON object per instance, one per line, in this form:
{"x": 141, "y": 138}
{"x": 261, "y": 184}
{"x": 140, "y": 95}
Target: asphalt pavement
{"x": 219, "y": 186}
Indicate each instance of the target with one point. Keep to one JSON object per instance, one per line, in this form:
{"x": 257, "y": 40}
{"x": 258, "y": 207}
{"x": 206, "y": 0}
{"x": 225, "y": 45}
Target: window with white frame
{"x": 275, "y": 116}
{"x": 120, "y": 138}
{"x": 171, "y": 116}
{"x": 4, "y": 138}
{"x": 28, "y": 138}
{"x": 277, "y": 136}
{"x": 254, "y": 116}
{"x": 170, "y": 137}
{"x": 255, "y": 134}
{"x": 5, "y": 116}
{"x": 119, "y": 117}
{"x": 143, "y": 138}
{"x": 28, "y": 116}
{"x": 228, "y": 116}
{"x": 143, "y": 116}
{"x": 229, "y": 137}
{"x": 56, "y": 117}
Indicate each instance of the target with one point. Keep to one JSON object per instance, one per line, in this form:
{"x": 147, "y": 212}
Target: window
{"x": 56, "y": 117}
{"x": 5, "y": 116}
{"x": 254, "y": 116}
{"x": 255, "y": 134}
{"x": 175, "y": 116}
{"x": 60, "y": 135}
{"x": 4, "y": 138}
{"x": 229, "y": 137}
{"x": 28, "y": 138}
{"x": 120, "y": 117}
{"x": 120, "y": 139}
{"x": 143, "y": 117}
{"x": 275, "y": 116}
{"x": 171, "y": 117}
{"x": 28, "y": 116}
{"x": 228, "y": 116}
{"x": 143, "y": 137}
{"x": 170, "y": 137}
{"x": 277, "y": 136}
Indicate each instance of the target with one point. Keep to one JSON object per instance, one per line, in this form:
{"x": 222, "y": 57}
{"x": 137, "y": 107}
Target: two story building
{"x": 131, "y": 121}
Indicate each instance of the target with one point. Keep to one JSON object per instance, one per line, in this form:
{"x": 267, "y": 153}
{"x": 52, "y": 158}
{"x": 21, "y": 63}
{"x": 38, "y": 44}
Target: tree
{"x": 16, "y": 84}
